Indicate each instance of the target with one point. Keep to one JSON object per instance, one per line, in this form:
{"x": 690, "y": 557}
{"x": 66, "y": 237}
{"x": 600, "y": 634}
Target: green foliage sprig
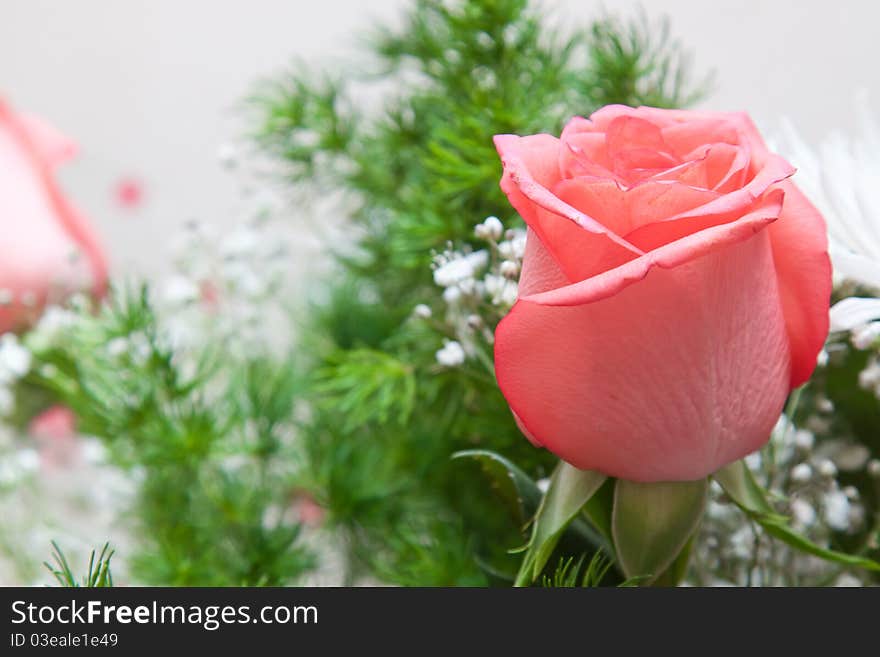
{"x": 98, "y": 574}
{"x": 421, "y": 171}
{"x": 204, "y": 437}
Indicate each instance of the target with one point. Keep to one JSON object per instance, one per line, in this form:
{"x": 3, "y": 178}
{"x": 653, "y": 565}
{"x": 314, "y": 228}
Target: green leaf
{"x": 515, "y": 488}
{"x": 652, "y": 523}
{"x": 569, "y": 490}
{"x": 737, "y": 481}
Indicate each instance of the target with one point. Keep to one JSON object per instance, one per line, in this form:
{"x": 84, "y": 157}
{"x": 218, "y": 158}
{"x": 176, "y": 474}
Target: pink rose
{"x": 675, "y": 288}
{"x": 46, "y": 246}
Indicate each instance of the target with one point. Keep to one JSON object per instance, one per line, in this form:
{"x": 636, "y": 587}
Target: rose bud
{"x": 675, "y": 288}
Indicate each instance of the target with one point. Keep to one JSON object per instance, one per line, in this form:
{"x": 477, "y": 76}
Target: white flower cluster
{"x": 478, "y": 288}
{"x": 800, "y": 473}
{"x": 225, "y": 285}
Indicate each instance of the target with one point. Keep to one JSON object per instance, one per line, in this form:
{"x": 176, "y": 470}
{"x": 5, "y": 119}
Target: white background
{"x": 151, "y": 88}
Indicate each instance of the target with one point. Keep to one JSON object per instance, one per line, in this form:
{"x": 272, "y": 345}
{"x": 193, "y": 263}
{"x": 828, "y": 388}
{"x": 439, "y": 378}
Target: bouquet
{"x": 568, "y": 333}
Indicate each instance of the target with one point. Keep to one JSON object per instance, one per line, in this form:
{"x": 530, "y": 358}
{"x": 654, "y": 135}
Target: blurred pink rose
{"x": 675, "y": 288}
{"x": 47, "y": 246}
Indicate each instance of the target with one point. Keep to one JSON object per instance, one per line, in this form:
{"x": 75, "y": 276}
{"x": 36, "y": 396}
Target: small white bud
{"x": 803, "y": 513}
{"x": 474, "y": 322}
{"x": 509, "y": 269}
{"x": 874, "y": 468}
{"x": 451, "y": 295}
{"x": 827, "y": 469}
{"x": 801, "y": 473}
{"x": 804, "y": 439}
{"x": 825, "y": 405}
{"x": 493, "y": 227}
{"x": 852, "y": 493}
{"x": 422, "y": 311}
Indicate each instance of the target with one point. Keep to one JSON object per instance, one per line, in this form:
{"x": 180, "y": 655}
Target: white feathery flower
{"x": 842, "y": 180}
{"x": 855, "y": 312}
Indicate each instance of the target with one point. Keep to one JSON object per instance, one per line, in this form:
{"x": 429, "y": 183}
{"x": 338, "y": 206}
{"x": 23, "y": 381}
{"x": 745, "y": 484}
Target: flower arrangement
{"x": 608, "y": 358}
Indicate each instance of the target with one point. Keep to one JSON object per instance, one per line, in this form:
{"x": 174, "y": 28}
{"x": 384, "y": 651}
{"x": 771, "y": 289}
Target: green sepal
{"x": 653, "y": 522}
{"x": 737, "y": 481}
{"x": 569, "y": 490}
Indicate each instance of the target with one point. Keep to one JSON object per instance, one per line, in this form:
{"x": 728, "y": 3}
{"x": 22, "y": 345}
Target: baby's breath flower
{"x": 451, "y": 355}
{"x": 422, "y": 311}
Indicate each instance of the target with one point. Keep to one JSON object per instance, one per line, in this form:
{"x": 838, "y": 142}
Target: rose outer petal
{"x": 37, "y": 254}
{"x": 800, "y": 251}
{"x": 666, "y": 368}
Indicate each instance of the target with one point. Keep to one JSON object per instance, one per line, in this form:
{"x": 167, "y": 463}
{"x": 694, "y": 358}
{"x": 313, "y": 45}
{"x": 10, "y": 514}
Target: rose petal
{"x": 683, "y": 138}
{"x": 655, "y": 235}
{"x": 52, "y": 146}
{"x": 530, "y": 170}
{"x": 539, "y": 269}
{"x": 624, "y": 210}
{"x": 800, "y": 250}
{"x": 668, "y": 256}
{"x": 663, "y": 380}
